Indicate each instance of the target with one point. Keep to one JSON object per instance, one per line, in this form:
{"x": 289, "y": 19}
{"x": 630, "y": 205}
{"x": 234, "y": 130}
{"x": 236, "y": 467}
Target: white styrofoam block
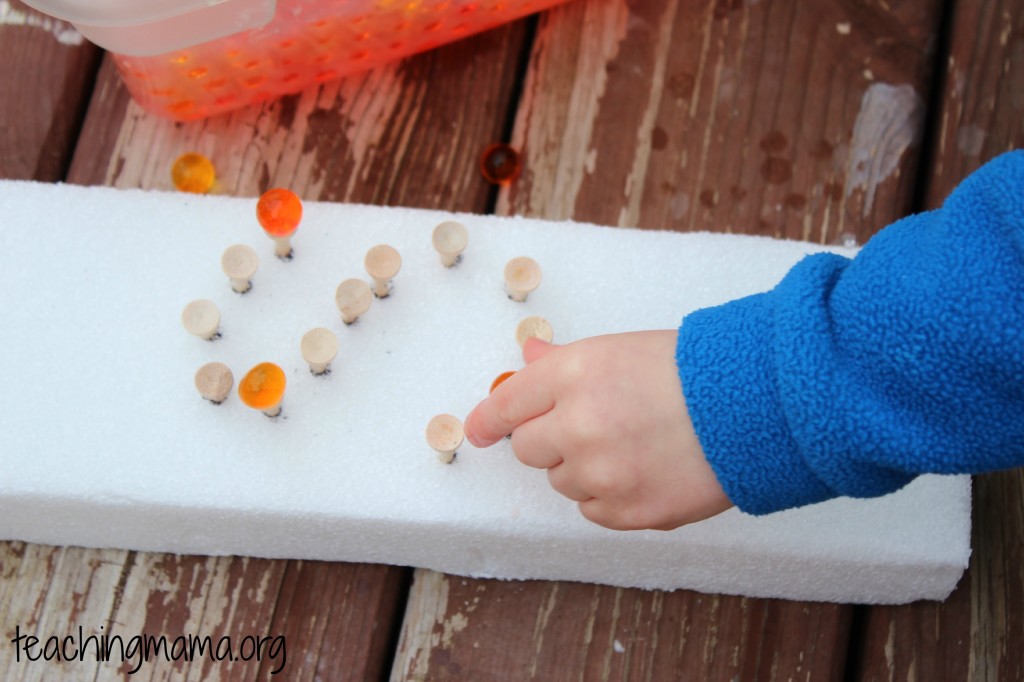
{"x": 106, "y": 443}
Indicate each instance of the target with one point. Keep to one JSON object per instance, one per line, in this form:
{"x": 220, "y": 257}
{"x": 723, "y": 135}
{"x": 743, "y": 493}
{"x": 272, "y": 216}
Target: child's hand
{"x": 606, "y": 417}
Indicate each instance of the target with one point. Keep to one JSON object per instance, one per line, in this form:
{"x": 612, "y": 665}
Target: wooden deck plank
{"x": 410, "y": 135}
{"x": 340, "y": 613}
{"x": 978, "y": 634}
{"x": 786, "y": 119}
{"x": 791, "y": 119}
{"x": 462, "y": 629}
{"x": 41, "y": 102}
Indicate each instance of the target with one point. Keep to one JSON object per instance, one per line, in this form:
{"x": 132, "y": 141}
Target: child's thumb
{"x": 535, "y": 349}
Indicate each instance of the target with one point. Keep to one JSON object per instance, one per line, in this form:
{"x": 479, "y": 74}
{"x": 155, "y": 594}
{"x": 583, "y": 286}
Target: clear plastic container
{"x": 189, "y": 59}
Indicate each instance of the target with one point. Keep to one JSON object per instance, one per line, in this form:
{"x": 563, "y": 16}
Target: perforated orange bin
{"x": 189, "y": 59}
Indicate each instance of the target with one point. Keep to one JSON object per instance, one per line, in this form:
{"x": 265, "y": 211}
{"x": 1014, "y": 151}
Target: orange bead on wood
{"x": 279, "y": 212}
{"x": 262, "y": 388}
{"x": 194, "y": 173}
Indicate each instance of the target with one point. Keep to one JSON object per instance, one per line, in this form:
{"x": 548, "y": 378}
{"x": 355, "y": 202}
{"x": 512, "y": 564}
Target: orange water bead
{"x": 262, "y": 388}
{"x": 279, "y": 212}
{"x": 181, "y": 107}
{"x": 193, "y": 173}
{"x": 500, "y": 380}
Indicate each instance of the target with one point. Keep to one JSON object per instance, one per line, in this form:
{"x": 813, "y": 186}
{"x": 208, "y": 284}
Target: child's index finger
{"x": 520, "y": 398}
{"x": 535, "y": 349}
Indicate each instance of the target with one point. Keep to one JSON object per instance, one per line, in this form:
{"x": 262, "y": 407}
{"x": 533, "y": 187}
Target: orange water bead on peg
{"x": 499, "y": 380}
{"x": 279, "y": 212}
{"x": 449, "y": 240}
{"x": 240, "y": 263}
{"x": 534, "y": 326}
{"x": 353, "y": 298}
{"x": 500, "y": 164}
{"x": 382, "y": 263}
{"x": 522, "y": 275}
{"x": 201, "y": 318}
{"x": 319, "y": 347}
{"x": 262, "y": 388}
{"x": 214, "y": 381}
{"x": 445, "y": 435}
{"x": 194, "y": 173}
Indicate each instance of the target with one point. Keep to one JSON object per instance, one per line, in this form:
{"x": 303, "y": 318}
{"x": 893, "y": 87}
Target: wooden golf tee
{"x": 239, "y": 263}
{"x": 445, "y": 435}
{"x": 534, "y": 326}
{"x": 201, "y": 318}
{"x": 449, "y": 240}
{"x": 282, "y": 247}
{"x": 522, "y": 275}
{"x": 382, "y": 264}
{"x": 214, "y": 381}
{"x": 353, "y": 298}
{"x": 319, "y": 347}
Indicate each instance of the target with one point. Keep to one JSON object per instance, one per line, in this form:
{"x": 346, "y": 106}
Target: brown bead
{"x": 500, "y": 164}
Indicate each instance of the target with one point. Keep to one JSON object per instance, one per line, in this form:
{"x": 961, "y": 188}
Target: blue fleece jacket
{"x": 851, "y": 377}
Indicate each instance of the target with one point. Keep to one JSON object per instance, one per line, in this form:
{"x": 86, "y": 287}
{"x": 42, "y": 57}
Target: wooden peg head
{"x": 445, "y": 435}
{"x": 382, "y": 263}
{"x": 449, "y": 240}
{"x": 214, "y": 381}
{"x": 522, "y": 275}
{"x": 319, "y": 347}
{"x": 353, "y": 298}
{"x": 201, "y": 318}
{"x": 534, "y": 326}
{"x": 239, "y": 263}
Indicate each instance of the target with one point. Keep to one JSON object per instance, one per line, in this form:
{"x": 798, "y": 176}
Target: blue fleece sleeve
{"x": 851, "y": 377}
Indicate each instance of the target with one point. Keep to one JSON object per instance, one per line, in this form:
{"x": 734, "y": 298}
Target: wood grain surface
{"x": 462, "y": 629}
{"x": 796, "y": 120}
